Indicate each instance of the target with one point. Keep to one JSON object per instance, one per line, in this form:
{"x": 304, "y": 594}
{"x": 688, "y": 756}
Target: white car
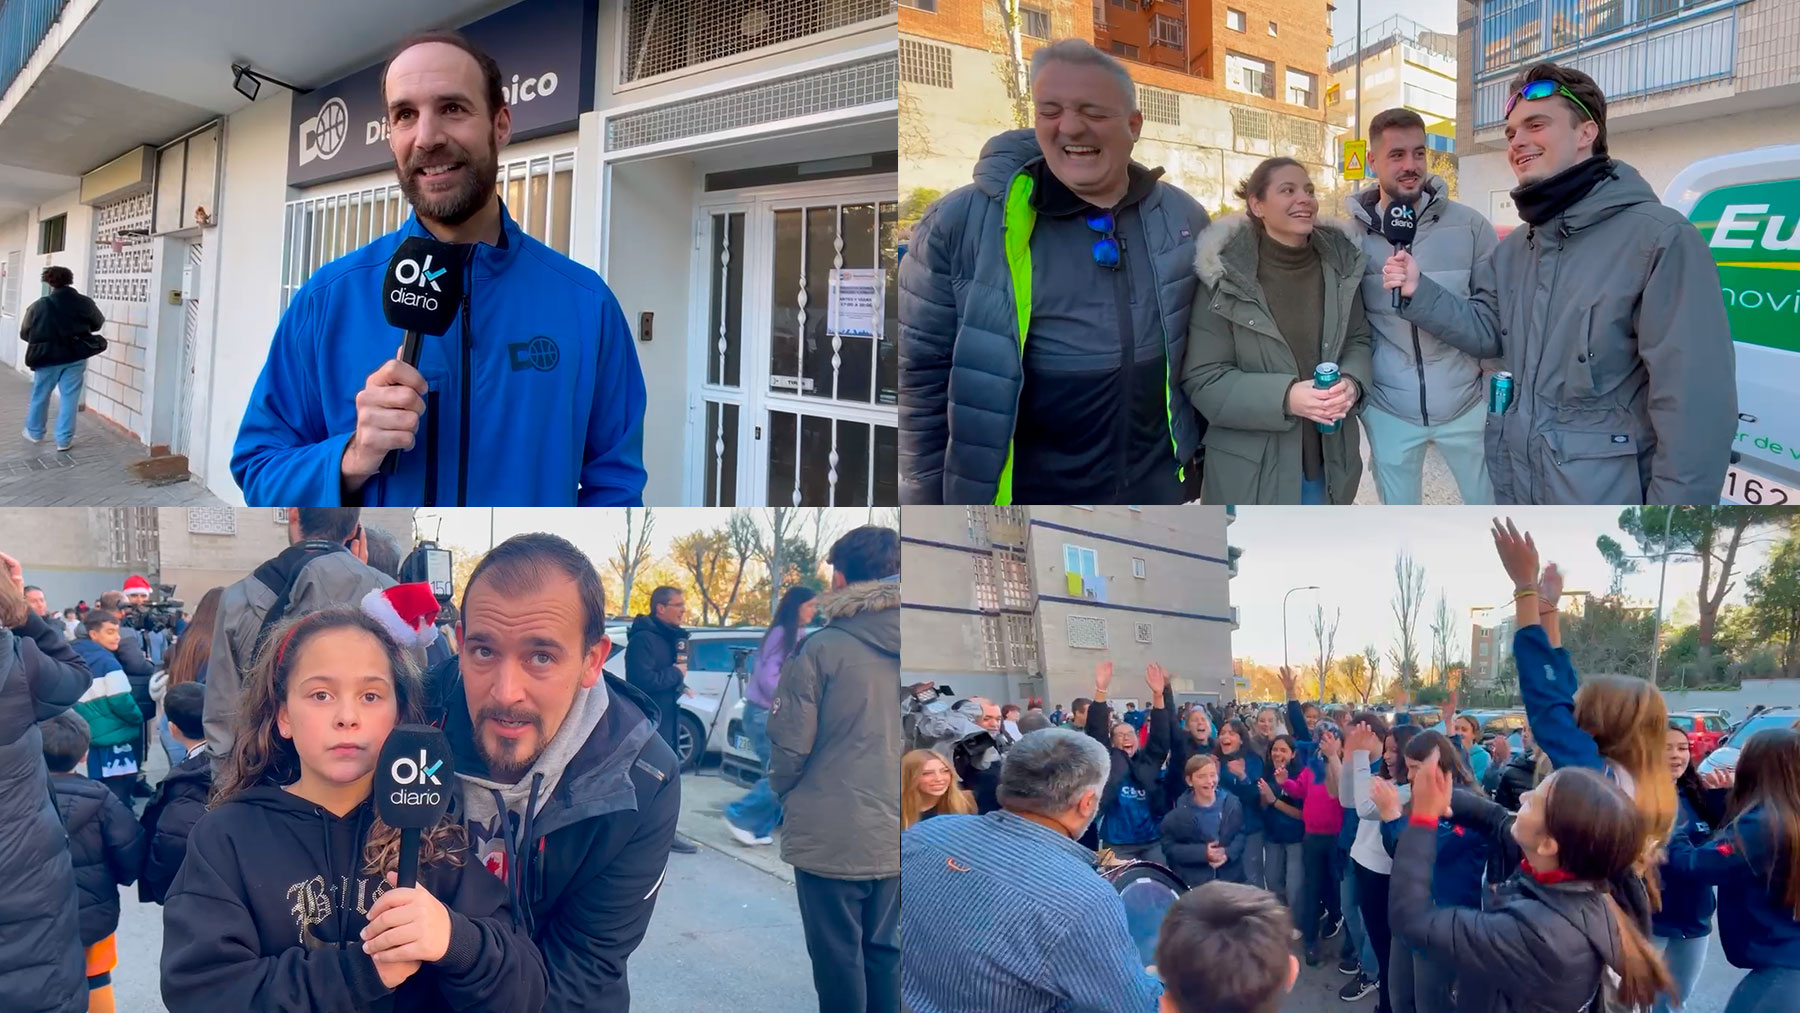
{"x": 711, "y": 658}
{"x": 1746, "y": 204}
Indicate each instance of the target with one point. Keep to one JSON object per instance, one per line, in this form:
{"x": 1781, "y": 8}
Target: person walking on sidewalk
{"x": 754, "y": 817}
{"x": 834, "y": 740}
{"x": 59, "y": 334}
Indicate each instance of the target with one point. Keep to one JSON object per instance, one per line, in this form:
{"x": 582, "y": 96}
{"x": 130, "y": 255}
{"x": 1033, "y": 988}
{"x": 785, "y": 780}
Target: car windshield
{"x": 1761, "y": 722}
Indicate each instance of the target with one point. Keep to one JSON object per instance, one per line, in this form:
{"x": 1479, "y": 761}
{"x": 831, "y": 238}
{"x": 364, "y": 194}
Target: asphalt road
{"x": 725, "y": 933}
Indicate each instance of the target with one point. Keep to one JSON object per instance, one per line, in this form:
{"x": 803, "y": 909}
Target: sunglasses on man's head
{"x": 1544, "y": 89}
{"x": 1106, "y": 248}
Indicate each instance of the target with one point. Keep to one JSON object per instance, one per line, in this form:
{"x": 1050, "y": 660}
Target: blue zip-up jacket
{"x": 1757, "y": 929}
{"x": 1245, "y": 787}
{"x": 1687, "y": 900}
{"x": 536, "y": 397}
{"x": 1547, "y": 682}
{"x": 1462, "y": 857}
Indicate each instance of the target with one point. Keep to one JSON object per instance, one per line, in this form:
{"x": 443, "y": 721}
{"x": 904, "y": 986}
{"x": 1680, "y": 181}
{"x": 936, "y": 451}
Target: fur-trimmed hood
{"x": 853, "y": 599}
{"x": 1228, "y": 246}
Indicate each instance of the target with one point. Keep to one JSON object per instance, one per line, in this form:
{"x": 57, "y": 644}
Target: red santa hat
{"x": 136, "y": 584}
{"x": 407, "y": 611}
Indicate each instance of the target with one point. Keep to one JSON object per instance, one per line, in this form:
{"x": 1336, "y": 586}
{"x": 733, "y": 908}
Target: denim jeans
{"x": 67, "y": 382}
{"x": 1398, "y": 449}
{"x": 759, "y": 811}
{"x": 1357, "y": 944}
{"x": 1253, "y": 859}
{"x": 1765, "y": 990}
{"x": 1419, "y": 984}
{"x": 1685, "y": 958}
{"x": 1284, "y": 873}
{"x": 1313, "y": 491}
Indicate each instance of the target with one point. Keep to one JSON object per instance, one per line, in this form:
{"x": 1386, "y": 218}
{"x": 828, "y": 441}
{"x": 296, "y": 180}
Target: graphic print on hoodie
{"x": 267, "y": 910}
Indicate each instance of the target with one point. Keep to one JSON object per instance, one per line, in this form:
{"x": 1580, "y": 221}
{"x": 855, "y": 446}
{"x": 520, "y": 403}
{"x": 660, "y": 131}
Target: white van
{"x": 1747, "y": 205}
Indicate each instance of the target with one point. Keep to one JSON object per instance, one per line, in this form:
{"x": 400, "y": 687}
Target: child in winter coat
{"x": 1131, "y": 803}
{"x": 1240, "y": 770}
{"x": 286, "y": 898}
{"x": 115, "y": 722}
{"x": 105, "y": 844}
{"x": 1203, "y": 836}
{"x": 1552, "y": 932}
{"x": 180, "y": 799}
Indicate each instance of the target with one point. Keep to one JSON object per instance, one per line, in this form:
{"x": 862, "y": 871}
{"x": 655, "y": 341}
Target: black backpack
{"x": 279, "y": 574}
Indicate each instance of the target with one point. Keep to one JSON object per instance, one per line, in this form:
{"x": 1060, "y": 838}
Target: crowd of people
{"x": 277, "y": 878}
{"x": 1438, "y": 870}
{"x": 1076, "y": 328}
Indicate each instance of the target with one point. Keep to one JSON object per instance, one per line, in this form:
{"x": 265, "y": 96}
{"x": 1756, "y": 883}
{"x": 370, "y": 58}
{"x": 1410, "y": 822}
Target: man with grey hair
{"x": 1042, "y": 308}
{"x": 975, "y": 940}
{"x": 384, "y": 551}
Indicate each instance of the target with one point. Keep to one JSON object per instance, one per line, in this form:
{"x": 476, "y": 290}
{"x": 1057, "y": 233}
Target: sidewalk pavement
{"x": 94, "y": 472}
{"x": 703, "y": 801}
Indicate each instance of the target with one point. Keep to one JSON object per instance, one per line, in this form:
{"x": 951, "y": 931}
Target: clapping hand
{"x": 1550, "y": 585}
{"x": 1431, "y": 787}
{"x": 1518, "y": 553}
{"x": 1363, "y": 738}
{"x": 1262, "y": 788}
{"x": 1386, "y": 798}
{"x": 1236, "y": 767}
{"x": 1215, "y": 854}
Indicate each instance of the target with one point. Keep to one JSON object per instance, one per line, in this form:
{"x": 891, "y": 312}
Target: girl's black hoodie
{"x": 254, "y": 921}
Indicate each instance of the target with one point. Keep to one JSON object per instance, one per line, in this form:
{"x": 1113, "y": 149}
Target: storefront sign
{"x": 545, "y": 49}
{"x": 856, "y": 298}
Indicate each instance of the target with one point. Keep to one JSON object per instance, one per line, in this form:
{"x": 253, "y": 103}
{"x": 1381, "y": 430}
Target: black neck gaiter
{"x": 1541, "y": 201}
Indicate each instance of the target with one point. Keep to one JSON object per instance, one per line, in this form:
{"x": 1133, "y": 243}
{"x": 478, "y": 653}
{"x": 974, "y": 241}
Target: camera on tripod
{"x": 161, "y": 612}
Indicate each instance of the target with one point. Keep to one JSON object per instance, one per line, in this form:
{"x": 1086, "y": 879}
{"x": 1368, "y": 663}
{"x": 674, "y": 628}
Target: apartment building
{"x": 77, "y": 553}
{"x": 1016, "y": 603}
{"x": 1222, "y": 84}
{"x": 1684, "y": 80}
{"x": 1403, "y": 65}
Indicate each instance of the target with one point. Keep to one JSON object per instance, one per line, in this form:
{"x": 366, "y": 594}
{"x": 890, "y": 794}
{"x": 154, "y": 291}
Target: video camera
{"x": 161, "y": 612}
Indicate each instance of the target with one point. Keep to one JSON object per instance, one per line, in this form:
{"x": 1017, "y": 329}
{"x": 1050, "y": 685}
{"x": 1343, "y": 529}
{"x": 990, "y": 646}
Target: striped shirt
{"x": 1003, "y": 915}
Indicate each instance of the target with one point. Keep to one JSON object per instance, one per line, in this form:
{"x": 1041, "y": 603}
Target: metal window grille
{"x": 1086, "y": 632}
{"x": 9, "y": 292}
{"x": 124, "y": 275}
{"x": 1009, "y": 526}
{"x": 1021, "y": 640}
{"x": 925, "y": 63}
{"x": 1298, "y": 138}
{"x": 539, "y": 194}
{"x": 993, "y": 642}
{"x": 987, "y": 589}
{"x": 1015, "y": 581}
{"x": 1143, "y": 633}
{"x": 211, "y": 521}
{"x": 134, "y": 537}
{"x": 1034, "y": 22}
{"x": 1250, "y": 131}
{"x": 1160, "y": 105}
{"x": 847, "y": 86}
{"x": 665, "y": 36}
{"x": 978, "y": 526}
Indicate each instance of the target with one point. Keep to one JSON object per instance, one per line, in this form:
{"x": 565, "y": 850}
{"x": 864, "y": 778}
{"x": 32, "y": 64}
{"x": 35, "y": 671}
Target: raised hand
{"x": 1103, "y": 675}
{"x": 1431, "y": 787}
{"x": 1550, "y": 585}
{"x": 1518, "y": 553}
{"x": 1363, "y": 738}
{"x": 1287, "y": 681}
{"x": 1158, "y": 678}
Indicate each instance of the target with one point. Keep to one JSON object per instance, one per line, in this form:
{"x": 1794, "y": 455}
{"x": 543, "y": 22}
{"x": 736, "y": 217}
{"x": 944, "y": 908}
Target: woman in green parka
{"x": 1280, "y": 292}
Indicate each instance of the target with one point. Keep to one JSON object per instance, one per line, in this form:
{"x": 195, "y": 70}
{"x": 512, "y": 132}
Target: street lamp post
{"x": 1284, "y": 626}
{"x": 1661, "y": 587}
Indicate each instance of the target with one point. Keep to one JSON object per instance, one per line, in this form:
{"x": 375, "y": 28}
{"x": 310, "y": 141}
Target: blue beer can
{"x": 1500, "y": 392}
{"x": 1325, "y": 375}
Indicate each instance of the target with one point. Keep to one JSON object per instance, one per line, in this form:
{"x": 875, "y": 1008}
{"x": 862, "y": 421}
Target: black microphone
{"x": 1399, "y": 227}
{"x": 413, "y": 782}
{"x": 420, "y": 295}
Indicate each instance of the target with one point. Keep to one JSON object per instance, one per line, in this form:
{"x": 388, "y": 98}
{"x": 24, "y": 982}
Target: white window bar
{"x": 837, "y": 360}
{"x": 723, "y": 224}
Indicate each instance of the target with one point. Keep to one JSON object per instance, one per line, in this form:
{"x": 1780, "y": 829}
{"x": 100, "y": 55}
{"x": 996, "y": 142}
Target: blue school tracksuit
{"x": 1687, "y": 899}
{"x": 1461, "y": 859}
{"x": 1245, "y": 789}
{"x": 1756, "y": 928}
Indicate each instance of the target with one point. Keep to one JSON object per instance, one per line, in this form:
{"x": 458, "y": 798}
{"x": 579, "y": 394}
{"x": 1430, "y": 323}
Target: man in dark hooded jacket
{"x": 1065, "y": 241}
{"x": 41, "y": 965}
{"x": 56, "y": 330}
{"x": 834, "y": 734}
{"x": 656, "y": 666}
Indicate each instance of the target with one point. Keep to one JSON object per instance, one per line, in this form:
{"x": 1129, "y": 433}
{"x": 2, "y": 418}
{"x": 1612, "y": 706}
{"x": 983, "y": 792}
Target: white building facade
{"x": 728, "y": 168}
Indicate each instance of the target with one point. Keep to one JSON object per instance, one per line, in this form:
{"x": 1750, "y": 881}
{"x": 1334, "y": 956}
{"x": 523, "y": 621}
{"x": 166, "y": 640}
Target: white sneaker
{"x": 26, "y": 433}
{"x": 745, "y": 837}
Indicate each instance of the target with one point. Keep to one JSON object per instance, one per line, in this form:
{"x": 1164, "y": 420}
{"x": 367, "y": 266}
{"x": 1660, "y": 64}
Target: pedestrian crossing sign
{"x": 1356, "y": 157}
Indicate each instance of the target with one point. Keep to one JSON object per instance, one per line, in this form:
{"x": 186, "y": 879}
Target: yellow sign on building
{"x": 1356, "y": 157}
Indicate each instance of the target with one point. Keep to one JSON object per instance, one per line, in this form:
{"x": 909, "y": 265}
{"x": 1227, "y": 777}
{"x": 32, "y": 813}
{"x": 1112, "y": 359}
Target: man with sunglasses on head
{"x": 1042, "y": 306}
{"x": 1607, "y": 311}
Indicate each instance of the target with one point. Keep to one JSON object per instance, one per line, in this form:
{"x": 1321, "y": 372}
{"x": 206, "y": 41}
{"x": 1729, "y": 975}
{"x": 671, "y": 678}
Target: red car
{"x": 1704, "y": 729}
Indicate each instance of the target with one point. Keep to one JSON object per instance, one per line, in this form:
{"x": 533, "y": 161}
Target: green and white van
{"x": 1747, "y": 205}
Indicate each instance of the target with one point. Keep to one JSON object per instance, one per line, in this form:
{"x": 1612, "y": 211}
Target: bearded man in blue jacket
{"x": 539, "y": 356}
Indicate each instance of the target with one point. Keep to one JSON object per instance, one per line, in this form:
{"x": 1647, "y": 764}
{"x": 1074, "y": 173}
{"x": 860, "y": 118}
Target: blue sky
{"x": 1437, "y": 15}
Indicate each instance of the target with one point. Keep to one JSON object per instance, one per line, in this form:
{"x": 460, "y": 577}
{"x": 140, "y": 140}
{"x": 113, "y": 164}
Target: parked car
{"x": 1704, "y": 730}
{"x": 1510, "y": 723}
{"x": 710, "y": 662}
{"x": 1725, "y": 754}
{"x": 737, "y": 761}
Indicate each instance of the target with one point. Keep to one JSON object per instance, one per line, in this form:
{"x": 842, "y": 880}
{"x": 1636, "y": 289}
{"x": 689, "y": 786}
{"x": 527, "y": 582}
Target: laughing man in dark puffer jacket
{"x": 1064, "y": 240}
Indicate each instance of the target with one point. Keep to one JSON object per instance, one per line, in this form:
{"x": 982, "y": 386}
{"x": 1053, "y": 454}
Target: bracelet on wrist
{"x": 1525, "y": 592}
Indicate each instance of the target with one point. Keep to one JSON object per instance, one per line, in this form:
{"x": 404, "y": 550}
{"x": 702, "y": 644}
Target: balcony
{"x": 1632, "y": 62}
{"x": 23, "y": 24}
{"x": 1234, "y": 617}
{"x": 1232, "y": 553}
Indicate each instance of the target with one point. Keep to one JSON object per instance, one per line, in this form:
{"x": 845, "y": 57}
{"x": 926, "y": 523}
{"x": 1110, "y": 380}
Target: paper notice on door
{"x": 857, "y": 294}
